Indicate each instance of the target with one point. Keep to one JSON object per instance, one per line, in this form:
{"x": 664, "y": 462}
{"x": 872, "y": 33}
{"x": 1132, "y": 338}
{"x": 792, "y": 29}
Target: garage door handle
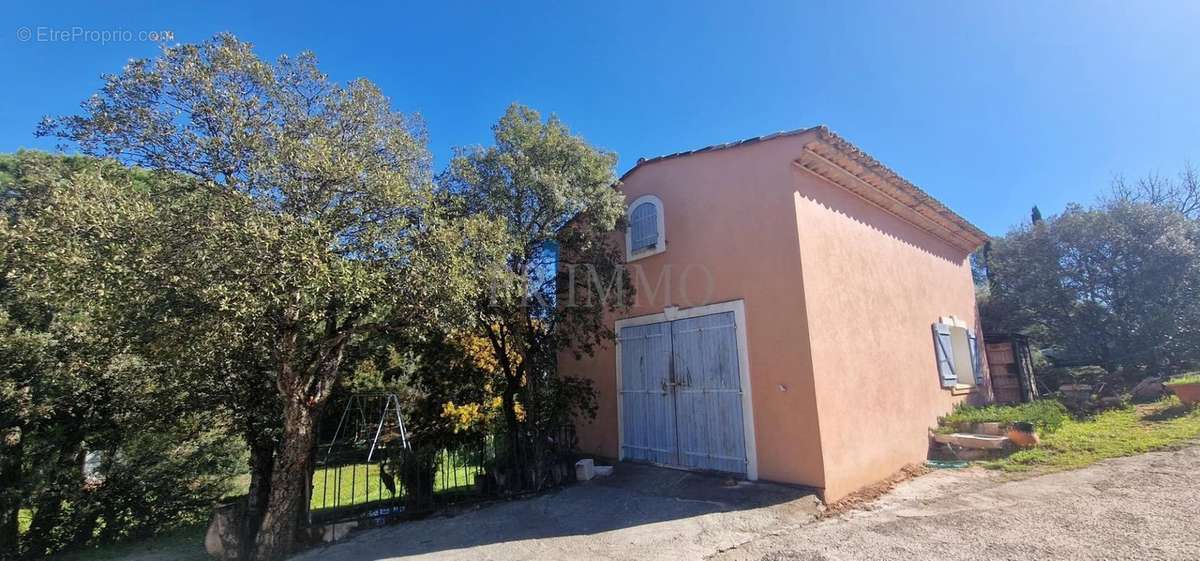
{"x": 667, "y": 385}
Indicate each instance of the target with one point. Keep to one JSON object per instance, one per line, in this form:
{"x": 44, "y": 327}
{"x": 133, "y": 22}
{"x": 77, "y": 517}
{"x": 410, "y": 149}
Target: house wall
{"x": 874, "y": 284}
{"x": 840, "y": 297}
{"x": 731, "y": 233}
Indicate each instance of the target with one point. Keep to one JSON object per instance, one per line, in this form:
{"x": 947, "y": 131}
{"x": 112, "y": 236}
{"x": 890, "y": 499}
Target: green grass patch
{"x": 336, "y": 487}
{"x": 1193, "y": 378}
{"x": 1047, "y": 415}
{"x": 358, "y": 484}
{"x": 361, "y": 484}
{"x": 1110, "y": 434}
{"x": 181, "y": 544}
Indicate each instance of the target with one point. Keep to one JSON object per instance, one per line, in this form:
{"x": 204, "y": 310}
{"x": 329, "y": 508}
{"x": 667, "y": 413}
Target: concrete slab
{"x": 975, "y": 441}
{"x": 991, "y": 429}
{"x": 640, "y": 512}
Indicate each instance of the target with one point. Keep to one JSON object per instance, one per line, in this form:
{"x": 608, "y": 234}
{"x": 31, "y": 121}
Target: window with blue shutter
{"x": 976, "y": 358}
{"x": 943, "y": 347}
{"x": 643, "y": 227}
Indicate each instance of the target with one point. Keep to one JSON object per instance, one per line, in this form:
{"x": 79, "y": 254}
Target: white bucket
{"x": 585, "y": 469}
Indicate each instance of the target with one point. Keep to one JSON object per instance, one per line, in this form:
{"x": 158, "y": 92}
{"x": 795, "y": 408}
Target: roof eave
{"x": 744, "y": 142}
{"x": 837, "y": 160}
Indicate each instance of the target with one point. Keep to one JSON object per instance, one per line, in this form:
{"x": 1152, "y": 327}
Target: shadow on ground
{"x": 640, "y": 512}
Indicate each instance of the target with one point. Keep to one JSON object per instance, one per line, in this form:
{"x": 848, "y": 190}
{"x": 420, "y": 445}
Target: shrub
{"x": 1047, "y": 415}
{"x": 1058, "y": 376}
{"x": 162, "y": 480}
{"x": 417, "y": 470}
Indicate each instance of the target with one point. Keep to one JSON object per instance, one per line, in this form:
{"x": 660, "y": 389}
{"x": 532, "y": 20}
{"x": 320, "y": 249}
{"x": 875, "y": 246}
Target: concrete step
{"x": 990, "y": 429}
{"x": 974, "y": 441}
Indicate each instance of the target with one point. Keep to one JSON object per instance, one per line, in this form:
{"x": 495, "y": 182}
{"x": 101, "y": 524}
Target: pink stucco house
{"x": 803, "y": 315}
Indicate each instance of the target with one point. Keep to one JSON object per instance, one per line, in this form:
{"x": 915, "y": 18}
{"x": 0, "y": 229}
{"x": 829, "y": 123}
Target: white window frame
{"x": 660, "y": 244}
{"x": 738, "y": 307}
{"x": 961, "y": 351}
{"x": 960, "y": 354}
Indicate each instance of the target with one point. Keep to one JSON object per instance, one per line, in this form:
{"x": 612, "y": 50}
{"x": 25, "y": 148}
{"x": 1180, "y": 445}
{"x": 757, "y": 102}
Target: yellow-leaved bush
{"x": 467, "y": 416}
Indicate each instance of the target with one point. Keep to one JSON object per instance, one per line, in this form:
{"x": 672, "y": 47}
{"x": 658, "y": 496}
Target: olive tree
{"x": 555, "y": 196}
{"x": 320, "y": 227}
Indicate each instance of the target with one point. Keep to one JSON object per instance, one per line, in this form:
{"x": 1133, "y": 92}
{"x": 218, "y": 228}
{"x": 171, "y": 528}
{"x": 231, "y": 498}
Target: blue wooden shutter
{"x": 943, "y": 347}
{"x": 643, "y": 227}
{"x": 976, "y": 363}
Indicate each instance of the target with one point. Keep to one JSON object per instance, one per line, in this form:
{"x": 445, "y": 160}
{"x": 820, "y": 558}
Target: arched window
{"x": 646, "y": 236}
{"x": 643, "y": 226}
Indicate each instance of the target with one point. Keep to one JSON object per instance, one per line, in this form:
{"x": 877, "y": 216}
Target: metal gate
{"x": 681, "y": 394}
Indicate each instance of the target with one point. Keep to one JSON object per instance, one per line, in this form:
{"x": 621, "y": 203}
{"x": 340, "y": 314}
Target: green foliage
{"x": 1084, "y": 374}
{"x": 302, "y": 208}
{"x": 416, "y": 470}
{"x": 1047, "y": 416}
{"x": 302, "y": 218}
{"x": 240, "y": 235}
{"x": 445, "y": 371}
{"x": 172, "y": 475}
{"x": 1192, "y": 378}
{"x": 24, "y": 518}
{"x": 1117, "y": 286}
{"x": 553, "y": 194}
{"x": 80, "y": 377}
{"x": 1110, "y": 434}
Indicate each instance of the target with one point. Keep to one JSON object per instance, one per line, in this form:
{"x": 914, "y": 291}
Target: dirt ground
{"x": 1143, "y": 507}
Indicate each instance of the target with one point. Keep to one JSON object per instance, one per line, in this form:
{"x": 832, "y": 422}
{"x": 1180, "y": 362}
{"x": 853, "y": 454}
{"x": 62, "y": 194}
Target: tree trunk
{"x": 514, "y": 480}
{"x": 86, "y": 520}
{"x": 11, "y": 450}
{"x": 47, "y": 516}
{"x": 290, "y": 480}
{"x": 262, "y": 465}
{"x": 508, "y": 400}
{"x": 49, "y": 513}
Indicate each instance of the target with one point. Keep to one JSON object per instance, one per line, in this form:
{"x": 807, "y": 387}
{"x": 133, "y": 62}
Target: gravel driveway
{"x": 1144, "y": 507}
{"x": 1139, "y": 508}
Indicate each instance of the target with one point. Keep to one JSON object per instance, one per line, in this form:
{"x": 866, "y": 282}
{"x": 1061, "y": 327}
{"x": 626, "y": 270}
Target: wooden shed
{"x": 1011, "y": 365}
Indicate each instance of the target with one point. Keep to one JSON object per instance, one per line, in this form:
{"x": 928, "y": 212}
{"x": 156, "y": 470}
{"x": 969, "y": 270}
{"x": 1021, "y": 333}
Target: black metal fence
{"x": 369, "y": 467}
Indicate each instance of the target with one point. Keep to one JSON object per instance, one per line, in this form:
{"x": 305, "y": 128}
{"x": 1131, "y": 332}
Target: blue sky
{"x": 990, "y": 106}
